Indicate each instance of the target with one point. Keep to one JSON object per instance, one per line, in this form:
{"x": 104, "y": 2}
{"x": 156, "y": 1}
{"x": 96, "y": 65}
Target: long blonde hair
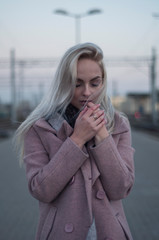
{"x": 62, "y": 89}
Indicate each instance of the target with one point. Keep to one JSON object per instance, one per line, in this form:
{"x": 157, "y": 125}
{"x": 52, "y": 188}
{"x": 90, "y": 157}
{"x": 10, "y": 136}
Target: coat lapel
{"x": 94, "y": 169}
{"x": 86, "y": 171}
{"x": 63, "y": 130}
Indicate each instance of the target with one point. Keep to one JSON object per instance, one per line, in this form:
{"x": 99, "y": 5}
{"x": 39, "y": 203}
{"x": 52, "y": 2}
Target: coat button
{"x": 100, "y": 194}
{"x": 72, "y": 180}
{"x": 117, "y": 214}
{"x": 69, "y": 227}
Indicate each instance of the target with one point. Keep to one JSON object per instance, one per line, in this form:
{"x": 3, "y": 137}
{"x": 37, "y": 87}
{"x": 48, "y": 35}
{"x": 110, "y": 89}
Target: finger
{"x": 95, "y": 108}
{"x": 97, "y": 114}
{"x": 88, "y": 112}
{"x": 99, "y": 119}
{"x": 83, "y": 112}
{"x": 97, "y": 111}
{"x": 100, "y": 125}
{"x": 90, "y": 104}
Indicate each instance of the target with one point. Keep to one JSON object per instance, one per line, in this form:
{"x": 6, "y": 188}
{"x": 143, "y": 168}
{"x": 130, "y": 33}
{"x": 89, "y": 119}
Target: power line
{"x": 52, "y": 62}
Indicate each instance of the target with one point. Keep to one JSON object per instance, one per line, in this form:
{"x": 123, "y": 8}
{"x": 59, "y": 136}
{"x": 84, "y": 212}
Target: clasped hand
{"x": 90, "y": 123}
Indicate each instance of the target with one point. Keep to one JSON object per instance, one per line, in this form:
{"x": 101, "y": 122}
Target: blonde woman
{"x": 78, "y": 155}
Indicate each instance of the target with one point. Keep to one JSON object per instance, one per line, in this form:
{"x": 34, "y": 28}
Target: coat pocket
{"x": 48, "y": 224}
{"x": 125, "y": 227}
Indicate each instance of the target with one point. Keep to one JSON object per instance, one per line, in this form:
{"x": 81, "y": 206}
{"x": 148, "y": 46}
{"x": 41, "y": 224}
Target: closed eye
{"x": 96, "y": 82}
{"x": 79, "y": 83}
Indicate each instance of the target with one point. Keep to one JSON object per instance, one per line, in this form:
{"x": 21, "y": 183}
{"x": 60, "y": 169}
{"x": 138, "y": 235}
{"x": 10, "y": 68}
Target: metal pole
{"x": 78, "y": 28}
{"x": 21, "y": 81}
{"x": 153, "y": 87}
{"x": 13, "y": 87}
{"x": 77, "y": 20}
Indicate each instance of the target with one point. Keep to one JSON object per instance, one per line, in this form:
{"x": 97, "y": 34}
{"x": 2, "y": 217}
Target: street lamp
{"x": 155, "y": 15}
{"x": 77, "y": 18}
{"x": 153, "y": 81}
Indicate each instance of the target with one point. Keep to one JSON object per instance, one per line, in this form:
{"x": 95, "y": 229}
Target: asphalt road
{"x": 19, "y": 211}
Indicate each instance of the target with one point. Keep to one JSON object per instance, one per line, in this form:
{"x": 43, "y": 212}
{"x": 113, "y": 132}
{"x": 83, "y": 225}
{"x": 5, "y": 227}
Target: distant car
{"x": 4, "y": 133}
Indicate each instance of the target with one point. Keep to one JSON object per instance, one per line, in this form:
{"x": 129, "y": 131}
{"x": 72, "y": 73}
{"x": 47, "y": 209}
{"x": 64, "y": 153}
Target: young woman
{"x": 78, "y": 155}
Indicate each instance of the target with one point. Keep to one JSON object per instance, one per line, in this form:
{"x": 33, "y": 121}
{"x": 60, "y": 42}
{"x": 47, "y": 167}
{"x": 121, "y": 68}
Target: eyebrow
{"x": 95, "y": 78}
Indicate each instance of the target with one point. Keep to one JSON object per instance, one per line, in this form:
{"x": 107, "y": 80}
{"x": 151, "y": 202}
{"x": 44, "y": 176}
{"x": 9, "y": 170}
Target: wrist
{"x": 77, "y": 141}
{"x": 101, "y": 136}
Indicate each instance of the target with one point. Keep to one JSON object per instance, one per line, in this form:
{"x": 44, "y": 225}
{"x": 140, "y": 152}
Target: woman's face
{"x": 89, "y": 82}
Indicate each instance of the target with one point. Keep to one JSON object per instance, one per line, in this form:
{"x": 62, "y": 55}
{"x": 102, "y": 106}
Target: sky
{"x": 125, "y": 28}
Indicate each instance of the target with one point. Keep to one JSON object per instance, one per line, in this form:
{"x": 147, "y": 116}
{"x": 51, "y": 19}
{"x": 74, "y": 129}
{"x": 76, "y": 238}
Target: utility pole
{"x": 13, "y": 87}
{"x": 21, "y": 81}
{"x": 153, "y": 87}
{"x": 114, "y": 88}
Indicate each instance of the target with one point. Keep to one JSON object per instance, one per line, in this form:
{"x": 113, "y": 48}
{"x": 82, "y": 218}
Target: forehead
{"x": 88, "y": 68}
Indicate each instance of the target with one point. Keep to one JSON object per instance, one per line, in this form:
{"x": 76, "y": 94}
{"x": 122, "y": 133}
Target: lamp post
{"x": 153, "y": 81}
{"x": 77, "y": 18}
{"x": 155, "y": 15}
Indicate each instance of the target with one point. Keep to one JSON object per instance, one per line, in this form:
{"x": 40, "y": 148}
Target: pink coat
{"x": 75, "y": 186}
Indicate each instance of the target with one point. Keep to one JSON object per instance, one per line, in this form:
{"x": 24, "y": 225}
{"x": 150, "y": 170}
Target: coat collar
{"x": 56, "y": 125}
{"x": 42, "y": 123}
{"x": 121, "y": 124}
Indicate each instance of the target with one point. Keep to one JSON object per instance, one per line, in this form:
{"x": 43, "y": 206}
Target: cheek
{"x": 76, "y": 95}
{"x": 100, "y": 86}
{"x": 97, "y": 91}
{"x": 77, "y": 92}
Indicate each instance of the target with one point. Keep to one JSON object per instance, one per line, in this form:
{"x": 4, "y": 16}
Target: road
{"x": 19, "y": 211}
{"x": 142, "y": 205}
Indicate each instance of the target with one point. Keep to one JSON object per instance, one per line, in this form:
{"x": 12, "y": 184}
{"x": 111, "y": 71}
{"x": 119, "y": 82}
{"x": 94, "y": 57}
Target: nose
{"x": 86, "y": 91}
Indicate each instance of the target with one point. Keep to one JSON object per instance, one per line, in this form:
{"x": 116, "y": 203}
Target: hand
{"x": 102, "y": 132}
{"x": 88, "y": 123}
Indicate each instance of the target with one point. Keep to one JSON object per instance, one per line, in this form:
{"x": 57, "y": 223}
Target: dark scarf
{"x": 71, "y": 115}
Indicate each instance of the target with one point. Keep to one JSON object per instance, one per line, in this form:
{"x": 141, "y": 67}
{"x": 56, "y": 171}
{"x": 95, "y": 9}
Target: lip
{"x": 83, "y": 102}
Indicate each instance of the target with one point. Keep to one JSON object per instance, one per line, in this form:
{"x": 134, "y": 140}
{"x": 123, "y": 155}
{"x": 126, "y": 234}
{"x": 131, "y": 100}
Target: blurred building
{"x": 5, "y": 111}
{"x": 138, "y": 104}
{"x": 24, "y": 108}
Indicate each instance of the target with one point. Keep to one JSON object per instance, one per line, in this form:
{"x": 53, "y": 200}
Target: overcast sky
{"x": 124, "y": 28}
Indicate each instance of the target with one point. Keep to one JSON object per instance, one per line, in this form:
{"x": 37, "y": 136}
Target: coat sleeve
{"x": 115, "y": 163}
{"x": 47, "y": 176}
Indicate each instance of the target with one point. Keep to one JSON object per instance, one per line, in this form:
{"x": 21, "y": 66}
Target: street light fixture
{"x": 77, "y": 18}
{"x": 155, "y": 15}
